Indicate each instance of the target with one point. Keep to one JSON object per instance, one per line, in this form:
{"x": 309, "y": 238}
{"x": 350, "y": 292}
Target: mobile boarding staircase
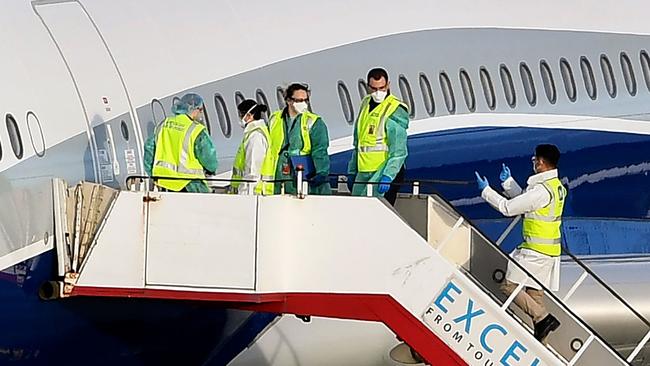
{"x": 429, "y": 275}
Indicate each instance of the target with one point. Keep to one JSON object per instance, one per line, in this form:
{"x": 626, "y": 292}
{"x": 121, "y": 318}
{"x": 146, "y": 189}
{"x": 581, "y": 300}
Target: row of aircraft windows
{"x": 505, "y": 76}
{"x": 34, "y": 129}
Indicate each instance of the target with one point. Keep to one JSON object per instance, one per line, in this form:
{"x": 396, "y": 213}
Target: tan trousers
{"x": 529, "y": 300}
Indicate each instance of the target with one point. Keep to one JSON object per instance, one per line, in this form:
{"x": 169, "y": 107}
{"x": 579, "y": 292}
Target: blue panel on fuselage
{"x": 607, "y": 171}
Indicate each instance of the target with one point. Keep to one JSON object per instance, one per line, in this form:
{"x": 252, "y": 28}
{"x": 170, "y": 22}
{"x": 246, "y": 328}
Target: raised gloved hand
{"x": 385, "y": 184}
{"x": 505, "y": 173}
{"x": 482, "y": 182}
{"x": 318, "y": 180}
{"x": 350, "y": 182}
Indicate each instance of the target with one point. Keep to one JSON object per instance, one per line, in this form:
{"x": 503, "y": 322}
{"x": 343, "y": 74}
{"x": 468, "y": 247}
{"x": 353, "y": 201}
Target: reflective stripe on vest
{"x": 276, "y": 123}
{"x": 541, "y": 228}
{"x": 371, "y": 133}
{"x": 263, "y": 187}
{"x": 174, "y": 157}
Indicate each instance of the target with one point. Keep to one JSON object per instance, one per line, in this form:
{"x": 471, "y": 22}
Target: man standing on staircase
{"x": 541, "y": 204}
{"x": 379, "y": 140}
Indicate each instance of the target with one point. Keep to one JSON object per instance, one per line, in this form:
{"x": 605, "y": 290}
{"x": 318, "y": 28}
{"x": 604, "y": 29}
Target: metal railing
{"x": 579, "y": 341}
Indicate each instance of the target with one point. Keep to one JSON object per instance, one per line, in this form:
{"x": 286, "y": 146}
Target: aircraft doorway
{"x": 115, "y": 135}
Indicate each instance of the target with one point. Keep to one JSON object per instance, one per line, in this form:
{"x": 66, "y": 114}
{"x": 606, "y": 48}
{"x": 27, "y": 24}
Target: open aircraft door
{"x": 115, "y": 136}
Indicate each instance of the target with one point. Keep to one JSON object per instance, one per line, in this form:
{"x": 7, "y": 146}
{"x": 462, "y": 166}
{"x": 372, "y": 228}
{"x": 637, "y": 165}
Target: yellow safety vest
{"x": 174, "y": 157}
{"x": 541, "y": 228}
{"x": 263, "y": 187}
{"x": 372, "y": 149}
{"x": 276, "y": 124}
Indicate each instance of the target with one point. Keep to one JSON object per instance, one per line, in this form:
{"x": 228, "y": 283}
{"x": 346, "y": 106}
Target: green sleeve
{"x": 396, "y": 135}
{"x": 352, "y": 165}
{"x": 320, "y": 142}
{"x": 206, "y": 153}
{"x": 149, "y": 153}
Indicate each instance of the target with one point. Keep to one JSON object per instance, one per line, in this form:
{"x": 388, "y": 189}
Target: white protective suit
{"x": 255, "y": 148}
{"x": 545, "y": 268}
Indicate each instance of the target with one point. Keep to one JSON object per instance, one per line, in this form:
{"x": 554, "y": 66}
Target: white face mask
{"x": 379, "y": 95}
{"x": 242, "y": 121}
{"x": 300, "y": 107}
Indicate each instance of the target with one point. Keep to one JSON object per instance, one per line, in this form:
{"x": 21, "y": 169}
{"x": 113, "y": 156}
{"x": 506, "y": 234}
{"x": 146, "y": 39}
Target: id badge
{"x": 286, "y": 170}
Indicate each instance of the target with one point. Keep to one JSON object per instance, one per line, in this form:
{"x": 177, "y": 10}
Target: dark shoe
{"x": 546, "y": 326}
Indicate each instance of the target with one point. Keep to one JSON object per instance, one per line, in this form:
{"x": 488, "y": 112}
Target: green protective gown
{"x": 396, "y": 136}
{"x": 319, "y": 144}
{"x": 203, "y": 150}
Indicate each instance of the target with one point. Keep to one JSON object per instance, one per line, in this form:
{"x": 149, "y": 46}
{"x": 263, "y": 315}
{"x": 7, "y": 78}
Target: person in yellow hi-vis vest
{"x": 541, "y": 204}
{"x": 253, "y": 161}
{"x": 379, "y": 140}
{"x": 296, "y": 132}
{"x": 180, "y": 147}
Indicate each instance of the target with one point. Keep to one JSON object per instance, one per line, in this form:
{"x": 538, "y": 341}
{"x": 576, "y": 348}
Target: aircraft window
{"x": 529, "y": 84}
{"x": 567, "y": 78}
{"x": 628, "y": 74}
{"x": 468, "y": 90}
{"x": 588, "y": 77}
{"x": 35, "y": 134}
{"x": 363, "y": 88}
{"x": 279, "y": 96}
{"x": 346, "y": 102}
{"x": 239, "y": 97}
{"x": 447, "y": 92}
{"x": 547, "y": 80}
{"x": 206, "y": 119}
{"x": 508, "y": 86}
{"x": 174, "y": 101}
{"x": 124, "y": 129}
{"x": 407, "y": 94}
{"x": 261, "y": 99}
{"x": 157, "y": 111}
{"x": 645, "y": 67}
{"x": 488, "y": 88}
{"x": 14, "y": 136}
{"x": 427, "y": 95}
{"x": 608, "y": 75}
{"x": 222, "y": 115}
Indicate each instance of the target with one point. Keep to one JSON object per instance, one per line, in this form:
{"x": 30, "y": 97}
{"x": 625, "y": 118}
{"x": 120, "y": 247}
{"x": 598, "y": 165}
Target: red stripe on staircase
{"x": 369, "y": 307}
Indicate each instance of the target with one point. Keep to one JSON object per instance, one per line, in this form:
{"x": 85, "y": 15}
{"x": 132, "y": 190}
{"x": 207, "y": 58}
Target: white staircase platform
{"x": 340, "y": 257}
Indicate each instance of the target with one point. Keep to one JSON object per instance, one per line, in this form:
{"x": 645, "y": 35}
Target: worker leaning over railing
{"x": 180, "y": 147}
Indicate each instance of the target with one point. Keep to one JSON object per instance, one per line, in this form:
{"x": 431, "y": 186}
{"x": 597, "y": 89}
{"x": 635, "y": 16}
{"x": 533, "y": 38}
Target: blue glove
{"x": 351, "y": 178}
{"x": 505, "y": 173}
{"x": 385, "y": 184}
{"x": 482, "y": 182}
{"x": 318, "y": 179}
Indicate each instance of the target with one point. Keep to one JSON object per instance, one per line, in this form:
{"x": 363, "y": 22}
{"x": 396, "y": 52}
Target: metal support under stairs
{"x": 342, "y": 257}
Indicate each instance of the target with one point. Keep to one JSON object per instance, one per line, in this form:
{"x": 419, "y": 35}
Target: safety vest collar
{"x": 542, "y": 177}
{"x": 304, "y": 121}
